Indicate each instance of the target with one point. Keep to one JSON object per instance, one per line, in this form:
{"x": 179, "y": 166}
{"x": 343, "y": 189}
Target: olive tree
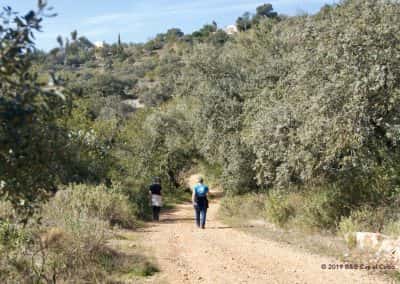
{"x": 30, "y": 137}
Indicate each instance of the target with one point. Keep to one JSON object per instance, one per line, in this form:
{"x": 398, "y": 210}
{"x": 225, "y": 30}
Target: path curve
{"x": 220, "y": 254}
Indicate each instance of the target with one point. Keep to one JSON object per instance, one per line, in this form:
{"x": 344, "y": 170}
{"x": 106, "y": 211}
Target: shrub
{"x": 243, "y": 206}
{"x": 278, "y": 209}
{"x": 145, "y": 269}
{"x": 392, "y": 228}
{"x": 87, "y": 236}
{"x": 323, "y": 208}
{"x": 14, "y": 240}
{"x": 348, "y": 225}
{"x": 68, "y": 252}
{"x": 70, "y": 243}
{"x": 229, "y": 206}
{"x": 31, "y": 141}
{"x": 369, "y": 219}
{"x": 7, "y": 211}
{"x": 139, "y": 196}
{"x": 101, "y": 202}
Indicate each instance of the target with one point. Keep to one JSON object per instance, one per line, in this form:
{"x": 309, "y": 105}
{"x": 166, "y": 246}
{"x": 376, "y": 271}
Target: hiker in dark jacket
{"x": 200, "y": 203}
{"x": 156, "y": 200}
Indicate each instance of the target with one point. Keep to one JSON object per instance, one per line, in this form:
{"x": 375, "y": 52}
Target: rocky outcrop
{"x": 386, "y": 249}
{"x": 367, "y": 240}
{"x": 390, "y": 248}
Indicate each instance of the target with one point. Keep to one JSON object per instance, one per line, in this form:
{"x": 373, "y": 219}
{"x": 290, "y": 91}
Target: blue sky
{"x": 140, "y": 20}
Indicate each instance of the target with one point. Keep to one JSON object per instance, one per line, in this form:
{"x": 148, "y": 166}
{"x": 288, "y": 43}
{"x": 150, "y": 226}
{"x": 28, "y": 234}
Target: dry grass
{"x": 243, "y": 212}
{"x": 136, "y": 263}
{"x": 70, "y": 245}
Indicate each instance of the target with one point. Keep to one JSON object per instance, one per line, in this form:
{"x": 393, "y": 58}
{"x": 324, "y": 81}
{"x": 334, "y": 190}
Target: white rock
{"x": 390, "y": 248}
{"x": 367, "y": 240}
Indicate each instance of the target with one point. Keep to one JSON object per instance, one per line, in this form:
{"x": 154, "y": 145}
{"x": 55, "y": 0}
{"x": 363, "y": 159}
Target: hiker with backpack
{"x": 200, "y": 202}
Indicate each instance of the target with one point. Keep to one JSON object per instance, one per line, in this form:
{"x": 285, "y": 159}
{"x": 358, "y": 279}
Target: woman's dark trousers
{"x": 201, "y": 214}
{"x": 156, "y": 213}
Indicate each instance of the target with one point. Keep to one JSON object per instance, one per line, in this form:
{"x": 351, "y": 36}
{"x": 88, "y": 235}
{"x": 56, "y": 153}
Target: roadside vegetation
{"x": 67, "y": 239}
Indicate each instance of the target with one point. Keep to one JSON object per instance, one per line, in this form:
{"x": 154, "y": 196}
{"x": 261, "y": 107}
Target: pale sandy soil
{"x": 220, "y": 254}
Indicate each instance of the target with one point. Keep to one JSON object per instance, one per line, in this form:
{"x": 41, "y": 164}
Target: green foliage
{"x": 243, "y": 23}
{"x": 156, "y": 144}
{"x": 106, "y": 204}
{"x": 392, "y": 228}
{"x": 70, "y": 242}
{"x": 342, "y": 98}
{"x": 31, "y": 142}
{"x": 217, "y": 121}
{"x": 247, "y": 21}
{"x": 243, "y": 206}
{"x": 348, "y": 228}
{"x": 7, "y": 212}
{"x": 145, "y": 269}
{"x": 13, "y": 238}
{"x": 266, "y": 10}
{"x": 105, "y": 85}
{"x": 324, "y": 207}
{"x": 174, "y": 34}
{"x": 306, "y": 102}
{"x": 90, "y": 145}
{"x": 367, "y": 219}
{"x": 219, "y": 38}
{"x": 278, "y": 209}
{"x": 205, "y": 32}
{"x": 176, "y": 196}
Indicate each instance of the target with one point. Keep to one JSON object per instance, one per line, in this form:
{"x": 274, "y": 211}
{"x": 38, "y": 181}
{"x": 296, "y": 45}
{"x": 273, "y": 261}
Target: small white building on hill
{"x": 99, "y": 44}
{"x": 231, "y": 29}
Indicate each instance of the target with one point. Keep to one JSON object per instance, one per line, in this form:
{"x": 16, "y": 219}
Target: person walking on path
{"x": 200, "y": 202}
{"x": 156, "y": 200}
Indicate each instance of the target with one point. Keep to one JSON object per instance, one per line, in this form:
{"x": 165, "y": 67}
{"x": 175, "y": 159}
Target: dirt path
{"x": 220, "y": 254}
